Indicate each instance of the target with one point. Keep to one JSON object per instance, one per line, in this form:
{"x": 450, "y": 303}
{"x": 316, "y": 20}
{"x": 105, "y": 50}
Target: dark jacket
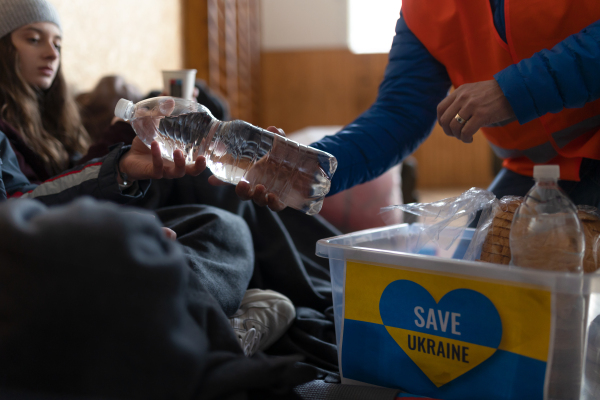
{"x": 95, "y": 178}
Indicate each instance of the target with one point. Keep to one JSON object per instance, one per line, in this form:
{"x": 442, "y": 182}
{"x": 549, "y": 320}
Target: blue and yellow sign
{"x": 445, "y": 336}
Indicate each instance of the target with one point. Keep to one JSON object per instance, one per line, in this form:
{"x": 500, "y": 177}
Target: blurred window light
{"x": 371, "y": 25}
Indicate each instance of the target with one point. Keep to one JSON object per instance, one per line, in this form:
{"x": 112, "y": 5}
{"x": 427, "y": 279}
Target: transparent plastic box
{"x": 549, "y": 321}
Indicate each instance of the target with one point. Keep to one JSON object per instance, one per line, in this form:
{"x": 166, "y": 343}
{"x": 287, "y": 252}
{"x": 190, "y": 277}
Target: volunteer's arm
{"x": 400, "y": 119}
{"x": 566, "y": 76}
{"x": 391, "y": 129}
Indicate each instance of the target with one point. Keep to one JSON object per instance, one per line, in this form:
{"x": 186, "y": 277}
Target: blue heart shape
{"x": 406, "y": 304}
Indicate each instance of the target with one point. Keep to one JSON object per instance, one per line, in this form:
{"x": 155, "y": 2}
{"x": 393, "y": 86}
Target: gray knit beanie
{"x": 16, "y": 13}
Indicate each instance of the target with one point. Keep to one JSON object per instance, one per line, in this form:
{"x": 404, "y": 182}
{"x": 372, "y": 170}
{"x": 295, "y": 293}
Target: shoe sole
{"x": 260, "y": 295}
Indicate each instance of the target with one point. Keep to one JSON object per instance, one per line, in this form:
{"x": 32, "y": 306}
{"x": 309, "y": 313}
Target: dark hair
{"x": 48, "y": 120}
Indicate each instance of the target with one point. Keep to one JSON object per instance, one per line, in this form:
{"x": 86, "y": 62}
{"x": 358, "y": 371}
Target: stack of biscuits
{"x": 496, "y": 247}
{"x": 590, "y": 220}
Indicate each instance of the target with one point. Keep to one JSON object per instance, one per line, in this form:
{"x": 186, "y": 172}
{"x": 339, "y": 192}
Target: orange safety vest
{"x": 461, "y": 35}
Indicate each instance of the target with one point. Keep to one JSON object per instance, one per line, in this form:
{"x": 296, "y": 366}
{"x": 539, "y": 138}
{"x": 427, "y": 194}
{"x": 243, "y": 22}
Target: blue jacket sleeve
{"x": 399, "y": 120}
{"x": 566, "y": 76}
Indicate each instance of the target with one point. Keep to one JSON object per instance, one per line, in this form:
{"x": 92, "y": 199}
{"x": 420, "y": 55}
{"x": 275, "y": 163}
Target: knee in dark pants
{"x": 218, "y": 247}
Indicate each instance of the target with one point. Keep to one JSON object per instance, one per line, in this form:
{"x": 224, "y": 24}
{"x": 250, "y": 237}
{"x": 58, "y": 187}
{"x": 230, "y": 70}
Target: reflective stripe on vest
{"x": 567, "y": 135}
{"x": 462, "y": 36}
{"x": 545, "y": 152}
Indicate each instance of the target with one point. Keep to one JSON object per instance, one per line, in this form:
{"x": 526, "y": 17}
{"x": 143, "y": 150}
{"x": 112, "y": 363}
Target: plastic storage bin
{"x": 435, "y": 325}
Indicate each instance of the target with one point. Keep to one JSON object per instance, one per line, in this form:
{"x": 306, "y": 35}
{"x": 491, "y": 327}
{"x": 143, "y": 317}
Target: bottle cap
{"x": 124, "y": 109}
{"x": 546, "y": 171}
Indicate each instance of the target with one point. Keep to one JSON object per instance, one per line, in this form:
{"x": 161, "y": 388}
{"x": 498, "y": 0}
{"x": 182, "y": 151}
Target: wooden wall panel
{"x": 222, "y": 41}
{"x": 444, "y": 161}
{"x": 311, "y": 88}
{"x": 195, "y": 37}
{"x": 331, "y": 87}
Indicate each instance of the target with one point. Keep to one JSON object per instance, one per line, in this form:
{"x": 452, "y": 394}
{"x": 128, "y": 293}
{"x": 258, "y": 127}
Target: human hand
{"x": 144, "y": 160}
{"x": 169, "y": 233}
{"x": 147, "y": 119}
{"x": 479, "y": 104}
{"x": 141, "y": 162}
{"x": 259, "y": 193}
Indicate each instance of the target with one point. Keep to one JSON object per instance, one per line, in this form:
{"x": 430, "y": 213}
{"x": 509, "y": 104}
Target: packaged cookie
{"x": 496, "y": 244}
{"x": 494, "y": 230}
{"x": 590, "y": 220}
{"x": 497, "y": 240}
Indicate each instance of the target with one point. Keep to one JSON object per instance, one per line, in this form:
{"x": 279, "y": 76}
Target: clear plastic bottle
{"x": 546, "y": 232}
{"x": 234, "y": 150}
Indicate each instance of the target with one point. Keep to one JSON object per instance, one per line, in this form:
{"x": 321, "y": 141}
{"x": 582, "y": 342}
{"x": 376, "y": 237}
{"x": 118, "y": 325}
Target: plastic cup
{"x": 179, "y": 83}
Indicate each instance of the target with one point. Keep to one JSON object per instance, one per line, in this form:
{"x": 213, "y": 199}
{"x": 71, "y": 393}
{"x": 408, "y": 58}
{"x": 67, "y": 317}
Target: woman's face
{"x": 38, "y": 47}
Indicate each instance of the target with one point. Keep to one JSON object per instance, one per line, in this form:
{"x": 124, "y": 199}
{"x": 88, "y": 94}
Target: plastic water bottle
{"x": 546, "y": 232}
{"x": 234, "y": 150}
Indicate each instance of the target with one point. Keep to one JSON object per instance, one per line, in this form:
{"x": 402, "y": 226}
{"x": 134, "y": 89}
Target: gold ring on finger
{"x": 460, "y": 119}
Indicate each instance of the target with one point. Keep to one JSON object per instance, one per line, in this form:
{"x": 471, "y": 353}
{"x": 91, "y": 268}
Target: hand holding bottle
{"x": 259, "y": 194}
{"x": 141, "y": 162}
{"x": 275, "y": 171}
{"x": 144, "y": 159}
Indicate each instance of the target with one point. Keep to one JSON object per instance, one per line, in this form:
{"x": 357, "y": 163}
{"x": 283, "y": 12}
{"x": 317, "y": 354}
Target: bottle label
{"x": 444, "y": 336}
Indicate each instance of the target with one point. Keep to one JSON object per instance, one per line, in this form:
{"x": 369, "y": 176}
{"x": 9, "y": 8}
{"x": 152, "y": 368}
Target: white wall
{"x": 372, "y": 25}
{"x": 303, "y": 24}
{"x": 132, "y": 38}
{"x": 363, "y": 26}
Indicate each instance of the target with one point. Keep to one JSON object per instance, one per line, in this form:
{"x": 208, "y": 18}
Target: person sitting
{"x": 41, "y": 138}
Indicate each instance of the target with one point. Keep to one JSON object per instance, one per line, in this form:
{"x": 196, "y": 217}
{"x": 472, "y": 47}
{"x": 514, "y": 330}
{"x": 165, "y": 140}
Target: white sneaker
{"x": 263, "y": 317}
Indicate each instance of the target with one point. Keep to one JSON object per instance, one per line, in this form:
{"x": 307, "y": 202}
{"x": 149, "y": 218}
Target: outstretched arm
{"x": 392, "y": 128}
{"x": 401, "y": 118}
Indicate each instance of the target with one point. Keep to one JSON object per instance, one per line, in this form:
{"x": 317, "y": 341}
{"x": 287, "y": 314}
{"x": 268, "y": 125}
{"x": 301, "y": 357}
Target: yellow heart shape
{"x": 441, "y": 359}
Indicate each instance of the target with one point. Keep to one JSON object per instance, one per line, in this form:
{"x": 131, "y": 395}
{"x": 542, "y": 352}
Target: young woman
{"x": 41, "y": 135}
{"x": 37, "y": 114}
{"x": 34, "y": 98}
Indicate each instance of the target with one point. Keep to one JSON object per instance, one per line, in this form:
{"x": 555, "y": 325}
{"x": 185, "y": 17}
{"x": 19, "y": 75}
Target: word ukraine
{"x": 431, "y": 346}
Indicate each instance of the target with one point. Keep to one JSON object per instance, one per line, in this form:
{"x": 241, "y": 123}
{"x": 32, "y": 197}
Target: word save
{"x": 440, "y": 320}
